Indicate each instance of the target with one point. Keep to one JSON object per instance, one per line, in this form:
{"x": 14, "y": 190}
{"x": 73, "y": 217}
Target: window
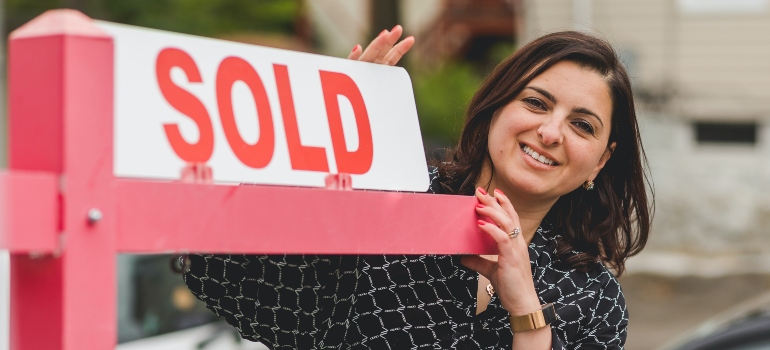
{"x": 743, "y": 133}
{"x": 722, "y": 7}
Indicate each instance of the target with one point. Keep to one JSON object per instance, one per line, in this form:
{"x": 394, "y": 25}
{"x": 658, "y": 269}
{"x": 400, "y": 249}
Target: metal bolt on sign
{"x": 94, "y": 216}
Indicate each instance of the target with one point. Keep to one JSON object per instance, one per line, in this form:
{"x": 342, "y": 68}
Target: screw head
{"x": 94, "y": 215}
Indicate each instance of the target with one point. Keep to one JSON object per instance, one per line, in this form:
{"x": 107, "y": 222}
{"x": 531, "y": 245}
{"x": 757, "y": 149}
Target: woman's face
{"x": 553, "y": 136}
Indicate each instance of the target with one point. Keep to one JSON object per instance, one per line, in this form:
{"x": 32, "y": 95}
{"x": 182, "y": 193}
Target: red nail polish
{"x": 354, "y": 48}
{"x": 482, "y": 191}
{"x": 481, "y": 222}
{"x": 480, "y": 205}
{"x": 499, "y": 192}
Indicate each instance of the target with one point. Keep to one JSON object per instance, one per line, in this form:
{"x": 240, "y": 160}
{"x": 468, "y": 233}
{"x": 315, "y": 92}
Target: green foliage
{"x": 501, "y": 51}
{"x": 207, "y": 17}
{"x": 200, "y": 17}
{"x": 442, "y": 96}
{"x": 19, "y": 12}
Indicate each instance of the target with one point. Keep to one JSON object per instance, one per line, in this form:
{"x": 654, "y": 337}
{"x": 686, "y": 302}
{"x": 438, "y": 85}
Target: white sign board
{"x": 260, "y": 115}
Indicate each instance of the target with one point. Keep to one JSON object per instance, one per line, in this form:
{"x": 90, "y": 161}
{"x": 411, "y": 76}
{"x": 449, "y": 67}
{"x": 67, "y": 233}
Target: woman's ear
{"x": 603, "y": 160}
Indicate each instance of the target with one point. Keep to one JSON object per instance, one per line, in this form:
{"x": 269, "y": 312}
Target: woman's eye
{"x": 584, "y": 126}
{"x": 535, "y": 103}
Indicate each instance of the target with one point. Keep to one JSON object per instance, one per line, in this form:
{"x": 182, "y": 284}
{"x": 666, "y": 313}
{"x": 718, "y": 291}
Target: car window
{"x": 153, "y": 299}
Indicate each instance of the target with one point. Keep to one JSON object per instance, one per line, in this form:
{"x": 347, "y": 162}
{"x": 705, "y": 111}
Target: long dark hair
{"x": 610, "y": 223}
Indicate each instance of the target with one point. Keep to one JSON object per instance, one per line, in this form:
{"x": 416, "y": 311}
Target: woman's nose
{"x": 551, "y": 132}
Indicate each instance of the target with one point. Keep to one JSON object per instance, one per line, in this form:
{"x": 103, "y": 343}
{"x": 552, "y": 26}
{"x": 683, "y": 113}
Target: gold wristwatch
{"x": 535, "y": 320}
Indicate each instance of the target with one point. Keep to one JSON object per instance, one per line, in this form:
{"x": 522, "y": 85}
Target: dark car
{"x": 744, "y": 327}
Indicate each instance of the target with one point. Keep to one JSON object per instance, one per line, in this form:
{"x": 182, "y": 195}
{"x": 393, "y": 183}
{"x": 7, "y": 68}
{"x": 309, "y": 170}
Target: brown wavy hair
{"x": 610, "y": 223}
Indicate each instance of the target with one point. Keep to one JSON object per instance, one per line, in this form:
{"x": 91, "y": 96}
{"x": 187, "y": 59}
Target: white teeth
{"x": 540, "y": 158}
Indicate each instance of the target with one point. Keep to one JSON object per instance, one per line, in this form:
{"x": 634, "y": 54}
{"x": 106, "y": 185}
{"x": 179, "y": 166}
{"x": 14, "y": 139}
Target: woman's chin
{"x": 533, "y": 190}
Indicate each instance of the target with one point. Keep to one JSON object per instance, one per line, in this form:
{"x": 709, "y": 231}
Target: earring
{"x": 588, "y": 185}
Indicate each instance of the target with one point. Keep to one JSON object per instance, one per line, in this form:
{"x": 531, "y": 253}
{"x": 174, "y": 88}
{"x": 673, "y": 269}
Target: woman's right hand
{"x": 383, "y": 49}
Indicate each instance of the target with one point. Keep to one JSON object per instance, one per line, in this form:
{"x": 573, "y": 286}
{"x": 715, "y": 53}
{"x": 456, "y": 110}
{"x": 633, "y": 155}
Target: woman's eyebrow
{"x": 547, "y": 94}
{"x": 583, "y": 110}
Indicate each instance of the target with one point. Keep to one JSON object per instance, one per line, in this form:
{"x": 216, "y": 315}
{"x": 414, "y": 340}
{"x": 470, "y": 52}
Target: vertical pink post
{"x": 61, "y": 116}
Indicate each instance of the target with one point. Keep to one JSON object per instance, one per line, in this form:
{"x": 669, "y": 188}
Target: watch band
{"x": 535, "y": 320}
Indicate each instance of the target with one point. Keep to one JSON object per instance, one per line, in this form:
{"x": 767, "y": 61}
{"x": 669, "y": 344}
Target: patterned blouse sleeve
{"x": 607, "y": 328}
{"x": 273, "y": 299}
{"x": 606, "y": 321}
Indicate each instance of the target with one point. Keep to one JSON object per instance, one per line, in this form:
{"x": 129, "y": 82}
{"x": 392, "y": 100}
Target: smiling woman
{"x": 557, "y": 114}
{"x": 551, "y": 150}
{"x": 576, "y": 99}
{"x": 549, "y": 140}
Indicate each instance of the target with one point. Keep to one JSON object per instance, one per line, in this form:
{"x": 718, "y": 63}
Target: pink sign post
{"x": 65, "y": 216}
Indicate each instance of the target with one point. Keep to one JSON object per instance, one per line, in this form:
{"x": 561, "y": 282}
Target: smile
{"x": 536, "y": 156}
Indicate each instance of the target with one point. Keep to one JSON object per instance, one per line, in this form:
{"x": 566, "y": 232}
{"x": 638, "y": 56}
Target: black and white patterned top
{"x": 399, "y": 302}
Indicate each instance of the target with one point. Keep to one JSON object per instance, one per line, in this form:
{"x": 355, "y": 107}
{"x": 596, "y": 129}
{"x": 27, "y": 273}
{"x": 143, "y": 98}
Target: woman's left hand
{"x": 385, "y": 48}
{"x": 511, "y": 274}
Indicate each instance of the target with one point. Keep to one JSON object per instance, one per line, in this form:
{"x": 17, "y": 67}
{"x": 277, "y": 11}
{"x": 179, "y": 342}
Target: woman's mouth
{"x": 536, "y": 156}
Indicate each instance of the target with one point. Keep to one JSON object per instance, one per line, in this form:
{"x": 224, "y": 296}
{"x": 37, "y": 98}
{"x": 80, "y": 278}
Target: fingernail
{"x": 383, "y": 32}
{"x": 481, "y": 222}
{"x": 499, "y": 192}
{"x": 480, "y": 205}
{"x": 394, "y": 27}
{"x": 481, "y": 190}
{"x": 354, "y": 48}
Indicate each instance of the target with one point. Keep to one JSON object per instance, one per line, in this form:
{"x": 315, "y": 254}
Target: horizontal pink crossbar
{"x": 29, "y": 211}
{"x": 154, "y": 217}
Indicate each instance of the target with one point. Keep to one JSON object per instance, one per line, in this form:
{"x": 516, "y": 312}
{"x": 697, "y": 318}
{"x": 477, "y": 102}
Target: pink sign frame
{"x": 64, "y": 216}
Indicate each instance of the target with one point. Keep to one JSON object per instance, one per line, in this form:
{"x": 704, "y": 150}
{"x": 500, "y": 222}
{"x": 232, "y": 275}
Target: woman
{"x": 551, "y": 150}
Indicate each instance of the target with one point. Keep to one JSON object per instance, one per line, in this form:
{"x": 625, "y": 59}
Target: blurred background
{"x": 701, "y": 75}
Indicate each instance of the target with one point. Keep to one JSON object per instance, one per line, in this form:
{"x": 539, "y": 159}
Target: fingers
{"x": 502, "y": 219}
{"x": 501, "y": 237}
{"x": 383, "y": 49}
{"x": 476, "y": 263}
{"x": 509, "y": 250}
{"x": 356, "y": 53}
{"x": 398, "y": 51}
{"x": 486, "y": 199}
{"x": 505, "y": 204}
{"x": 373, "y": 50}
{"x": 500, "y": 211}
{"x": 390, "y": 39}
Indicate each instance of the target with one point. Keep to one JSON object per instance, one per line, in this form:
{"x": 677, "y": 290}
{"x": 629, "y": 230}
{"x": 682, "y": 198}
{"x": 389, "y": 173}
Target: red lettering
{"x": 360, "y": 160}
{"x": 187, "y": 104}
{"x": 302, "y": 157}
{"x": 233, "y": 69}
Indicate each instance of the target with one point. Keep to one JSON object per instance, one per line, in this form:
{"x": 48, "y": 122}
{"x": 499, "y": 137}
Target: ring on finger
{"x": 515, "y": 233}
